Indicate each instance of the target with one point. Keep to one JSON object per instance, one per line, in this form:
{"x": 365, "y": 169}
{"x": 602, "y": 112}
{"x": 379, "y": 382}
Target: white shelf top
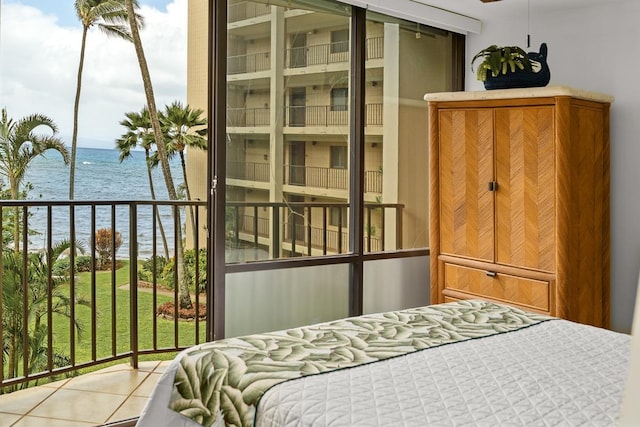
{"x": 533, "y": 92}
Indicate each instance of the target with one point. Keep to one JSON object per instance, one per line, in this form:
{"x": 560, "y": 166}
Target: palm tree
{"x": 140, "y": 133}
{"x": 185, "y": 298}
{"x": 19, "y": 145}
{"x": 110, "y": 16}
{"x": 37, "y": 276}
{"x": 178, "y": 123}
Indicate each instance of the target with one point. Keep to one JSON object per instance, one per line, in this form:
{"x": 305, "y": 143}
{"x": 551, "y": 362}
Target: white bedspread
{"x": 556, "y": 373}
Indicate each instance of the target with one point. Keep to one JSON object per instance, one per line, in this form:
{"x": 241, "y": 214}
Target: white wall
{"x": 595, "y": 48}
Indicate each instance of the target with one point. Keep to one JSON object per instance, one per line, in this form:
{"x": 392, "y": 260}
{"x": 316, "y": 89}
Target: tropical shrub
{"x": 61, "y": 268}
{"x": 146, "y": 271}
{"x": 107, "y": 246}
{"x": 83, "y": 263}
{"x": 189, "y": 270}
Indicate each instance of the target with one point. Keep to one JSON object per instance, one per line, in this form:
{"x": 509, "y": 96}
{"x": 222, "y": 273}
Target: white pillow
{"x": 630, "y": 410}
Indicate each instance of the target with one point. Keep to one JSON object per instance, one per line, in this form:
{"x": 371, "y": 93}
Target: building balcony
{"x": 328, "y": 115}
{"x": 329, "y": 178}
{"x": 247, "y": 10}
{"x": 249, "y": 171}
{"x": 302, "y": 57}
{"x": 323, "y": 116}
{"x": 309, "y": 228}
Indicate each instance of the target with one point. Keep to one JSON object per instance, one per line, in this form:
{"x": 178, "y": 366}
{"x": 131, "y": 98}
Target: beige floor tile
{"x": 163, "y": 366}
{"x": 148, "y": 366}
{"x": 29, "y": 421}
{"x": 129, "y": 409}
{"x": 117, "y": 382}
{"x": 22, "y": 401}
{"x": 147, "y": 386}
{"x": 7, "y": 420}
{"x": 75, "y": 405}
{"x": 56, "y": 384}
{"x": 109, "y": 369}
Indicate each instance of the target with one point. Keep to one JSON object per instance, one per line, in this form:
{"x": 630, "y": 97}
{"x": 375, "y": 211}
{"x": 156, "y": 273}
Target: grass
{"x": 105, "y": 346}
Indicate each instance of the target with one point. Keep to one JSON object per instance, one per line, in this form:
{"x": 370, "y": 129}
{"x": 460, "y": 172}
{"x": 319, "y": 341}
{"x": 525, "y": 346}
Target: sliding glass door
{"x": 320, "y": 159}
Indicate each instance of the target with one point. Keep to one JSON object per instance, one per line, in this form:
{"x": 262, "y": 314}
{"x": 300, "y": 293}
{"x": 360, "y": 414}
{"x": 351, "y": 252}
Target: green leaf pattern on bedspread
{"x": 220, "y": 383}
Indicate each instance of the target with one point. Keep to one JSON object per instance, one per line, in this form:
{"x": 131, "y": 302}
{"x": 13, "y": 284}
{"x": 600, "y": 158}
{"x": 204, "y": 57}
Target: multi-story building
{"x": 288, "y": 124}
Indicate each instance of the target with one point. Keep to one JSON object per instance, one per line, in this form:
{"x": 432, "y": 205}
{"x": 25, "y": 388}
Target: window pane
{"x": 339, "y": 99}
{"x": 288, "y": 82}
{"x": 404, "y": 61}
{"x": 279, "y": 299}
{"x": 339, "y": 159}
{"x": 411, "y": 291}
{"x": 339, "y": 41}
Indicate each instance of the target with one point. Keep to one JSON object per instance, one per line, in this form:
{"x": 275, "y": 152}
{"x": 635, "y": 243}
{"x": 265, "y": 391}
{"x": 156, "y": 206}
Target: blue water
{"x": 99, "y": 176}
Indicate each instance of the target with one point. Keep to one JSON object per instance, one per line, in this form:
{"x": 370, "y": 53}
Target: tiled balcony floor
{"x": 111, "y": 394}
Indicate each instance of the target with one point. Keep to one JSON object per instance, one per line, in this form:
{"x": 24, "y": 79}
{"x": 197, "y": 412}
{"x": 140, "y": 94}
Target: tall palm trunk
{"x": 183, "y": 164}
{"x": 76, "y": 109}
{"x": 16, "y": 220}
{"x": 185, "y": 298}
{"x": 153, "y": 197}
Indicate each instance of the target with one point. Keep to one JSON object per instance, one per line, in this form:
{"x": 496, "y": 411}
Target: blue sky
{"x": 39, "y": 53}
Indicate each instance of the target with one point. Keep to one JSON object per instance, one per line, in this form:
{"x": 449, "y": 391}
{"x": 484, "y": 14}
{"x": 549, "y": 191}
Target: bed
{"x": 469, "y": 363}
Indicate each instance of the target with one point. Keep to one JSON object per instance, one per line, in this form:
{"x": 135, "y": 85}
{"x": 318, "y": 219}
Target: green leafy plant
{"x": 498, "y": 60}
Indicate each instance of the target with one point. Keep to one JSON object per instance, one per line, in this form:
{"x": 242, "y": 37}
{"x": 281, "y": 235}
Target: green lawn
{"x": 104, "y": 345}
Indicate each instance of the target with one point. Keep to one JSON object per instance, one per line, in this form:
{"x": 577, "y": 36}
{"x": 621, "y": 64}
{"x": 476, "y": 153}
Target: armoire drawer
{"x": 497, "y": 286}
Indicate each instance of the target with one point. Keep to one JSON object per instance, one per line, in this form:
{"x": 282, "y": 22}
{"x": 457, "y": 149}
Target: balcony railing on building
{"x": 247, "y": 10}
{"x": 249, "y": 171}
{"x": 303, "y": 56}
{"x": 329, "y": 115}
{"x": 330, "y": 53}
{"x": 308, "y": 229}
{"x": 329, "y": 178}
{"x": 248, "y": 63}
{"x": 248, "y": 117}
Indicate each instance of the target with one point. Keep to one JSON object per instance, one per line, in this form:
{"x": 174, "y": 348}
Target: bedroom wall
{"x": 595, "y": 48}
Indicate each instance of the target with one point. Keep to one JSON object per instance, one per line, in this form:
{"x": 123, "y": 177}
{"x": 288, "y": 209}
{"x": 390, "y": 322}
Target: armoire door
{"x": 466, "y": 171}
{"x": 526, "y": 194}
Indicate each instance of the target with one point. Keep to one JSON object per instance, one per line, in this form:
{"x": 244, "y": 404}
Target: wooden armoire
{"x": 519, "y": 200}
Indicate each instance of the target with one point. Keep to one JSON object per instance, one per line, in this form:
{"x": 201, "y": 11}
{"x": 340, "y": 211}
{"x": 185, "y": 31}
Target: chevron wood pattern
{"x": 540, "y": 240}
{"x": 521, "y": 291}
{"x": 466, "y": 207}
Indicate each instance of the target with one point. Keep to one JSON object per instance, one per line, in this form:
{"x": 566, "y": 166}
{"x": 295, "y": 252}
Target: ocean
{"x": 99, "y": 176}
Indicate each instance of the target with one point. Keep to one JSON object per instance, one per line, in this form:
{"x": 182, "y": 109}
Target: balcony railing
{"x": 248, "y": 117}
{"x": 329, "y": 178}
{"x": 58, "y": 319}
{"x": 247, "y": 10}
{"x": 330, "y": 53}
{"x": 306, "y": 229}
{"x": 249, "y": 63}
{"x": 249, "y": 171}
{"x": 328, "y": 115}
{"x": 375, "y": 48}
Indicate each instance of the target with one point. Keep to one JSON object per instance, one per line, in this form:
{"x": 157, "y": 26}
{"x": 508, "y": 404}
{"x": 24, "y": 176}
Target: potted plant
{"x": 511, "y": 67}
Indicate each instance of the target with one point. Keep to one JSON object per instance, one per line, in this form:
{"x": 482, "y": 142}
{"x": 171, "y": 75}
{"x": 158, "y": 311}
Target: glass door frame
{"x": 216, "y": 170}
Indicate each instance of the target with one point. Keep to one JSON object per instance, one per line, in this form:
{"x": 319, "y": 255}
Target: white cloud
{"x": 39, "y": 62}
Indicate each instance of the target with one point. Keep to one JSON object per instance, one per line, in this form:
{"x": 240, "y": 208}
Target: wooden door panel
{"x": 466, "y": 168}
{"x": 525, "y": 199}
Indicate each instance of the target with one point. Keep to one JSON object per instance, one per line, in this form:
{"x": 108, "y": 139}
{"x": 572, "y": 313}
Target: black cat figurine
{"x": 537, "y": 77}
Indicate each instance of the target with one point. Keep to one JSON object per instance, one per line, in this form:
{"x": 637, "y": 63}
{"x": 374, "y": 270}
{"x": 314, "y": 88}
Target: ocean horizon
{"x": 99, "y": 176}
